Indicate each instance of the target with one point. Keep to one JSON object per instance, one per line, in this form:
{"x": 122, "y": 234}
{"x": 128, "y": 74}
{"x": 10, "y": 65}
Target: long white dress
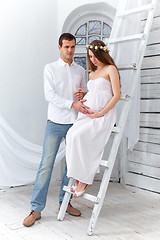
{"x": 87, "y": 137}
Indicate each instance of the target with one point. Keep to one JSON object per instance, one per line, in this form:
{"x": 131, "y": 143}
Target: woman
{"x": 86, "y": 139}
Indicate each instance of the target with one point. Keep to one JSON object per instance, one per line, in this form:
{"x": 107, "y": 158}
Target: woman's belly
{"x": 96, "y": 101}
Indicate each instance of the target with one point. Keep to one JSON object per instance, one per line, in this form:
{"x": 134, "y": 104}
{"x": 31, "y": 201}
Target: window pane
{"x": 81, "y": 61}
{"x": 94, "y": 27}
{"x": 90, "y": 39}
{"x": 82, "y": 30}
{"x": 80, "y": 41}
{"x": 105, "y": 40}
{"x": 106, "y": 30}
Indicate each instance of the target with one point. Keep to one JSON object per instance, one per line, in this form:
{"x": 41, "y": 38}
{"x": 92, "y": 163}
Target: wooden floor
{"x": 124, "y": 216}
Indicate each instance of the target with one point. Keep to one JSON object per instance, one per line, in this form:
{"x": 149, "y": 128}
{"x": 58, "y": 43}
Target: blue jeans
{"x": 53, "y": 136}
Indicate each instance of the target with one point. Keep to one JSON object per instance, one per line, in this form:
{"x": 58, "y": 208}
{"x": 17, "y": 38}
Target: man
{"x": 61, "y": 80}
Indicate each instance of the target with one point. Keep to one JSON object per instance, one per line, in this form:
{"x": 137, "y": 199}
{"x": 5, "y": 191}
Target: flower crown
{"x": 96, "y": 47}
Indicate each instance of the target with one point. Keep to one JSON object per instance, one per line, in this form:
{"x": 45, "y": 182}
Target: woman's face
{"x": 93, "y": 59}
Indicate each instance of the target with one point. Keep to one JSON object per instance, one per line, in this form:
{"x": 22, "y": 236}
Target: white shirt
{"x": 60, "y": 82}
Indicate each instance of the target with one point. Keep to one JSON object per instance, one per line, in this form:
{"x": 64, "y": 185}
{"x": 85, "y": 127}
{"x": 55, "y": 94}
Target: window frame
{"x": 80, "y": 50}
{"x": 85, "y": 13}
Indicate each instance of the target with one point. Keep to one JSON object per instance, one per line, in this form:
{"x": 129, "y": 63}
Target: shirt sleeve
{"x": 50, "y": 91}
{"x": 83, "y": 81}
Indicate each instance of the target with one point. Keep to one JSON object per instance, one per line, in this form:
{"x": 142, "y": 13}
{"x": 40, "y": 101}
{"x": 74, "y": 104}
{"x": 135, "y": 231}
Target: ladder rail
{"x": 116, "y": 141}
{"x": 108, "y": 171}
{"x": 143, "y": 42}
{"x": 116, "y": 27}
{"x": 65, "y": 202}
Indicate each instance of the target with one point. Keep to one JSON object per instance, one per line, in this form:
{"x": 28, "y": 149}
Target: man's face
{"x": 67, "y": 50}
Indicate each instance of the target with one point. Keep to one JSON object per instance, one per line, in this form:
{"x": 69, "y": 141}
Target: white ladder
{"x": 115, "y": 39}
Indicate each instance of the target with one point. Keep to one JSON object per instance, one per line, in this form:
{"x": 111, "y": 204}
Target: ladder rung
{"x": 127, "y": 38}
{"x": 67, "y": 189}
{"x": 136, "y": 10}
{"x": 116, "y": 130}
{"x": 127, "y": 67}
{"x": 86, "y": 195}
{"x": 90, "y": 198}
{"x": 104, "y": 163}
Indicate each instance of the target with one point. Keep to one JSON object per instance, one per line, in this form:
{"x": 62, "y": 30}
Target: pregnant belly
{"x": 96, "y": 101}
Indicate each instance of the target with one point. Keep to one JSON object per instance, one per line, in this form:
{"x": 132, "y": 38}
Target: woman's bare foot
{"x": 81, "y": 186}
{"x": 81, "y": 189}
{"x": 74, "y": 187}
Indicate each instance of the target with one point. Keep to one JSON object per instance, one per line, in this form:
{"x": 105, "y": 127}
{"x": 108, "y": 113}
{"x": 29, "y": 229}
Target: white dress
{"x": 87, "y": 137}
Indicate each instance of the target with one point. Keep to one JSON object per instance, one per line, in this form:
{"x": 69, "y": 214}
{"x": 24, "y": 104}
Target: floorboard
{"x": 125, "y": 215}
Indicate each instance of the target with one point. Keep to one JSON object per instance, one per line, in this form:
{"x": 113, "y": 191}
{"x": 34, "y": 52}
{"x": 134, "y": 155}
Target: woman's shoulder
{"x": 91, "y": 75}
{"x": 110, "y": 68}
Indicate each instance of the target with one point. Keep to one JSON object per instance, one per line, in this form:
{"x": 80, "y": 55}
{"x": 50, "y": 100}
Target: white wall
{"x": 28, "y": 40}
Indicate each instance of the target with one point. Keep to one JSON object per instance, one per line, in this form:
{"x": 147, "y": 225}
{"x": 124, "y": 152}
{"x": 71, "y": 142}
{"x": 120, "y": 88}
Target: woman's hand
{"x": 94, "y": 114}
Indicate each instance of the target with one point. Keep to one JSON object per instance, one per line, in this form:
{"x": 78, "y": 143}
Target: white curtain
{"x": 19, "y": 159}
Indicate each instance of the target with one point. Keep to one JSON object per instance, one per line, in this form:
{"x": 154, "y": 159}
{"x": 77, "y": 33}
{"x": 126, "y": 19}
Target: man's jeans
{"x": 53, "y": 137}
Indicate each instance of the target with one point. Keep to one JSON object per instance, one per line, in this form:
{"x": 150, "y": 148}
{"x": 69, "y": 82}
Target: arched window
{"x": 85, "y": 34}
{"x": 89, "y": 22}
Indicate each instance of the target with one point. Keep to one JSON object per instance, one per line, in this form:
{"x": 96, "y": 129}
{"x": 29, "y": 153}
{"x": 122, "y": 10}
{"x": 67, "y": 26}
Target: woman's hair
{"x": 101, "y": 52}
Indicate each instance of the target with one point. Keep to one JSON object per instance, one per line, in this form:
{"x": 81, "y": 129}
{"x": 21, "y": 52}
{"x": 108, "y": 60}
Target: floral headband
{"x": 96, "y": 47}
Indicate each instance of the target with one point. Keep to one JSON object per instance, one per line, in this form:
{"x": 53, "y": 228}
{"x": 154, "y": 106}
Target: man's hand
{"x": 80, "y": 107}
{"x": 79, "y": 94}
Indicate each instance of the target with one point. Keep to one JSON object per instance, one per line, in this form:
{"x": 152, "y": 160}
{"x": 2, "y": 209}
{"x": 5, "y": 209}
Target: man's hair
{"x": 66, "y": 36}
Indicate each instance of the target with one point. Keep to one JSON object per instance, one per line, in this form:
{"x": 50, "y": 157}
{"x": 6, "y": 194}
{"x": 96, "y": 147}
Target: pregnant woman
{"x": 87, "y": 137}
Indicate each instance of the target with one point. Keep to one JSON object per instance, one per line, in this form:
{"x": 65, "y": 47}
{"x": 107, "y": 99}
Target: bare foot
{"x": 74, "y": 187}
{"x": 81, "y": 186}
{"x": 81, "y": 189}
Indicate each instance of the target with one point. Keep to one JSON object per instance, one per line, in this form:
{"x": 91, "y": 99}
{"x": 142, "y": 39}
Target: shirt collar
{"x": 62, "y": 63}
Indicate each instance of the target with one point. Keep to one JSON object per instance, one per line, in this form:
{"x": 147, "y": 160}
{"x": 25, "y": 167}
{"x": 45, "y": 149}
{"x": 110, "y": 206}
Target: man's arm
{"x": 52, "y": 97}
{"x": 50, "y": 93}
